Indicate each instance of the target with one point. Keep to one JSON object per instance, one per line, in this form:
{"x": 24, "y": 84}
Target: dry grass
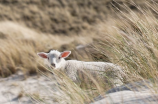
{"x": 129, "y": 41}
{"x": 20, "y": 45}
{"x": 58, "y": 16}
{"x": 68, "y": 92}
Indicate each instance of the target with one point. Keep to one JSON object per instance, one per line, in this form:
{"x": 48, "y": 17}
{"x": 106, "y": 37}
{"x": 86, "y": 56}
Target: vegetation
{"x": 129, "y": 40}
{"x": 128, "y": 37}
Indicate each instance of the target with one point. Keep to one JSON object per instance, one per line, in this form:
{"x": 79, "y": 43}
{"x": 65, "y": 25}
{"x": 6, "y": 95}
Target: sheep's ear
{"x": 42, "y": 54}
{"x": 65, "y": 54}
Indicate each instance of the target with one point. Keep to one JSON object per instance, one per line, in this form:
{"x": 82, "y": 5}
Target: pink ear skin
{"x": 43, "y": 55}
{"x": 65, "y": 54}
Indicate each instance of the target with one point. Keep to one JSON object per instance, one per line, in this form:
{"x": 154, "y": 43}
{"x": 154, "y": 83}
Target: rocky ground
{"x": 16, "y": 89}
{"x": 142, "y": 92}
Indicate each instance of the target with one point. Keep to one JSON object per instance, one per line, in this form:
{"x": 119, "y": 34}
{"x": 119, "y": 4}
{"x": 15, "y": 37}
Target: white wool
{"x": 54, "y": 52}
{"x": 71, "y": 67}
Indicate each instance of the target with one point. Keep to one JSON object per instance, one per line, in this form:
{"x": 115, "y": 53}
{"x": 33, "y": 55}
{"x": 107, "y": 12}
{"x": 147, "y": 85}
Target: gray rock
{"x": 141, "y": 92}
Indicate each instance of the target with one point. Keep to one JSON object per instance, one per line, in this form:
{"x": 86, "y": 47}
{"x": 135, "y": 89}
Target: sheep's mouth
{"x": 53, "y": 65}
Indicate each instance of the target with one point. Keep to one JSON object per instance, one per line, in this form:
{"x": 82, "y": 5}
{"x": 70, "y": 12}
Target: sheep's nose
{"x": 53, "y": 64}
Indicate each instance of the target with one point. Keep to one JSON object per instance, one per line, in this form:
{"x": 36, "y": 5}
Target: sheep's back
{"x": 103, "y": 69}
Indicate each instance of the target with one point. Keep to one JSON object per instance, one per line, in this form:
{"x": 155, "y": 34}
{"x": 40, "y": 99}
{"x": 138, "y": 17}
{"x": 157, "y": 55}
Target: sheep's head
{"x": 55, "y": 58}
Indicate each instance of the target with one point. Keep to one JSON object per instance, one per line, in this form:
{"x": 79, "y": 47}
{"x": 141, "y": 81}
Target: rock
{"x": 141, "y": 92}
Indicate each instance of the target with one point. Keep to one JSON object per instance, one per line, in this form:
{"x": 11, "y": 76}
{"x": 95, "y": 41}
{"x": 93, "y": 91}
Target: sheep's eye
{"x": 59, "y": 58}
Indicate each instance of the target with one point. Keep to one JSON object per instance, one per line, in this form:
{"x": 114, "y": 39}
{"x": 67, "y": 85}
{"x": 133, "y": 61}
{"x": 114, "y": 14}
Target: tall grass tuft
{"x": 20, "y": 45}
{"x": 131, "y": 41}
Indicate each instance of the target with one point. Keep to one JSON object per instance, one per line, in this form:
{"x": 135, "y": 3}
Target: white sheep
{"x": 57, "y": 60}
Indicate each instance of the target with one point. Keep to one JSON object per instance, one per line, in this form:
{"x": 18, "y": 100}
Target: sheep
{"x": 57, "y": 60}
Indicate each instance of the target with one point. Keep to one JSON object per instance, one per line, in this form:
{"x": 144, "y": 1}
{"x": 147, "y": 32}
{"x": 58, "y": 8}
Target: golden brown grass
{"x": 60, "y": 17}
{"x": 69, "y": 92}
{"x": 19, "y": 46}
{"x": 129, "y": 41}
